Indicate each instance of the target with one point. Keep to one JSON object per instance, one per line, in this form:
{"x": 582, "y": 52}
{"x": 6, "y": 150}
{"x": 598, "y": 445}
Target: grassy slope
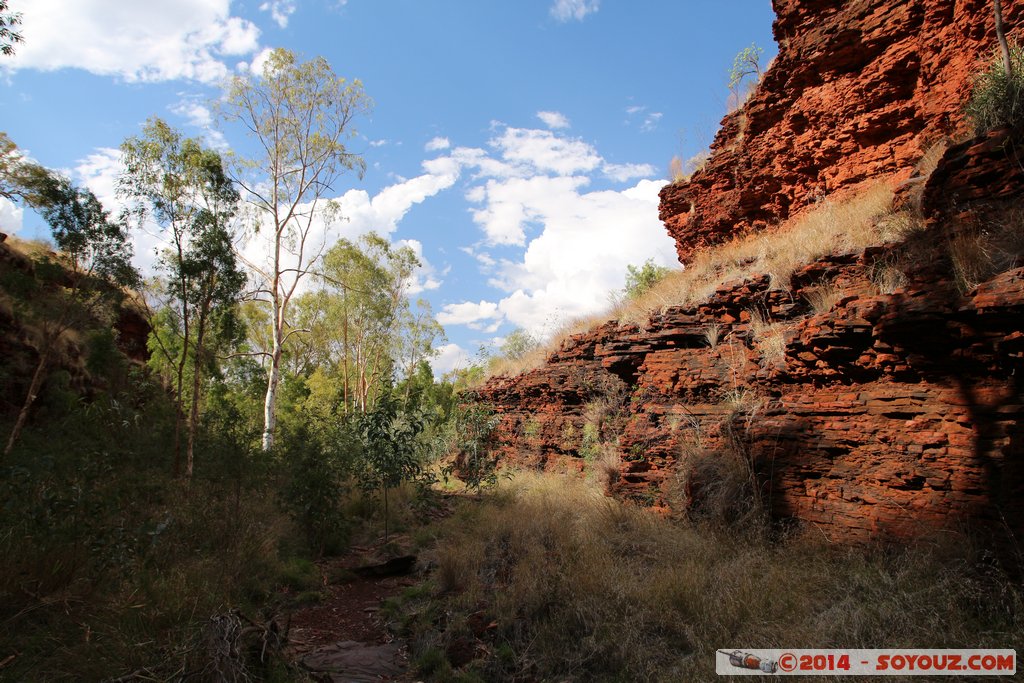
{"x": 547, "y": 579}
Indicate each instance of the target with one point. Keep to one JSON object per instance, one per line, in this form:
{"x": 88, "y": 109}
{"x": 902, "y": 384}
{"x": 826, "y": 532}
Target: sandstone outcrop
{"x": 888, "y": 413}
{"x": 859, "y": 90}
{"x": 878, "y": 392}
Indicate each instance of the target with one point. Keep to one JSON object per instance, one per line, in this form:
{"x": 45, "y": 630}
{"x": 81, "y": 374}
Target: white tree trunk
{"x": 270, "y": 403}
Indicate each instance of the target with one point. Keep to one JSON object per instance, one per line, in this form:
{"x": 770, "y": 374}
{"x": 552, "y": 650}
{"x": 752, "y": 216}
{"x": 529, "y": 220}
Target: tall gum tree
{"x": 299, "y": 115}
{"x": 182, "y": 187}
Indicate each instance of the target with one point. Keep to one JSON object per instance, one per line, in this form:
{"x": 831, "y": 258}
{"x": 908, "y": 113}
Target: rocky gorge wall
{"x": 860, "y": 89}
{"x": 18, "y": 340}
{"x": 878, "y": 394}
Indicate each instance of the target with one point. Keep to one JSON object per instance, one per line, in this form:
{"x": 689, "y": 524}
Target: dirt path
{"x": 342, "y": 638}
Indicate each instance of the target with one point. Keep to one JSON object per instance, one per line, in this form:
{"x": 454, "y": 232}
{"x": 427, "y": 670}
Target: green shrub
{"x": 640, "y": 279}
{"x": 997, "y": 99}
{"x": 320, "y": 466}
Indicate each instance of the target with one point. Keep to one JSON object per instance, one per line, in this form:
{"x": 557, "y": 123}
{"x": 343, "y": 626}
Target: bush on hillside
{"x": 998, "y": 99}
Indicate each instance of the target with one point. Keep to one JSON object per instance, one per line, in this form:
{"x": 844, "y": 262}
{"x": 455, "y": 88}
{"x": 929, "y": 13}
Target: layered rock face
{"x": 860, "y": 89}
{"x": 887, "y": 414}
{"x": 879, "y": 393}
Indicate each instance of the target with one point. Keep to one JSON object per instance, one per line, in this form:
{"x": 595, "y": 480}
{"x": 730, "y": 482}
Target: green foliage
{"x": 9, "y": 37}
{"x": 746, "y": 63}
{"x": 185, "y": 190}
{"x": 391, "y": 448}
{"x": 639, "y": 280}
{"x": 319, "y": 469}
{"x": 997, "y": 98}
{"x": 590, "y": 446}
{"x": 99, "y": 540}
{"x": 518, "y": 343}
{"x": 360, "y": 322}
{"x": 470, "y": 437}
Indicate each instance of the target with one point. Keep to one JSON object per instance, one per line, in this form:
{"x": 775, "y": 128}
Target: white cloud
{"x": 378, "y": 143}
{"x": 515, "y": 203}
{"x": 651, "y": 121}
{"x": 544, "y": 151}
{"x": 623, "y": 172}
{"x": 257, "y": 63}
{"x": 566, "y": 10}
{"x": 576, "y": 243}
{"x": 553, "y": 119}
{"x": 468, "y": 313}
{"x": 195, "y": 113}
{"x": 648, "y": 122}
{"x": 581, "y": 255}
{"x": 530, "y": 191}
{"x": 437, "y": 144}
{"x": 280, "y": 11}
{"x": 450, "y": 357}
{"x": 12, "y": 217}
{"x": 200, "y": 116}
{"x": 156, "y": 40}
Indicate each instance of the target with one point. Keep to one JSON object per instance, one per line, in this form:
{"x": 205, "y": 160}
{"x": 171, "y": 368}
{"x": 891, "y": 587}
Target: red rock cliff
{"x": 859, "y": 90}
{"x": 892, "y": 409}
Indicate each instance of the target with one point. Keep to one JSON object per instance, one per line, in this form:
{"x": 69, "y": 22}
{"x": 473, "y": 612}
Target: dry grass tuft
{"x": 770, "y": 337}
{"x": 675, "y": 170}
{"x": 822, "y": 297}
{"x": 980, "y": 253}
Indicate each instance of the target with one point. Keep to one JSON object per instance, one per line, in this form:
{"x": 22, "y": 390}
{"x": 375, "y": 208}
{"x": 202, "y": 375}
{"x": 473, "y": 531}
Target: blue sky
{"x": 517, "y": 145}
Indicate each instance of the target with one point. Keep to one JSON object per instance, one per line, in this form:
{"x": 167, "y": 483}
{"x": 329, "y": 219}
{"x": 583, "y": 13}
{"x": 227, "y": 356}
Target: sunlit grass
{"x": 583, "y": 587}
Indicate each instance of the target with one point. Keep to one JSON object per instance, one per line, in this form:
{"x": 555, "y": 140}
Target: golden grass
{"x": 981, "y": 251}
{"x": 31, "y": 248}
{"x": 829, "y": 227}
{"x": 769, "y": 336}
{"x": 822, "y": 297}
{"x": 579, "y": 586}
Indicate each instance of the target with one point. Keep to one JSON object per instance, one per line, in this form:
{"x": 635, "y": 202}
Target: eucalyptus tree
{"x": 415, "y": 342}
{"x": 20, "y": 179}
{"x": 182, "y": 187}
{"x": 299, "y": 115}
{"x": 9, "y": 36}
{"x": 366, "y": 282}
